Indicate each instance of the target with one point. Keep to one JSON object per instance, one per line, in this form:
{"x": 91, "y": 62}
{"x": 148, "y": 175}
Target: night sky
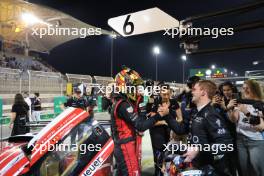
{"x": 92, "y": 55}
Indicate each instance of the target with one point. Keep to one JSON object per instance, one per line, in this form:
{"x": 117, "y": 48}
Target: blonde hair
{"x": 209, "y": 86}
{"x": 255, "y": 88}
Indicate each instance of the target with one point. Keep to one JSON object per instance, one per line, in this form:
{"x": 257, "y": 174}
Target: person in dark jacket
{"x": 160, "y": 133}
{"x": 36, "y": 107}
{"x": 207, "y": 131}
{"x": 19, "y": 116}
{"x": 76, "y": 101}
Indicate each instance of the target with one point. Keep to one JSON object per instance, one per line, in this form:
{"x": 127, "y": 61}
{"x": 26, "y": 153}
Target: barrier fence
{"x": 14, "y": 81}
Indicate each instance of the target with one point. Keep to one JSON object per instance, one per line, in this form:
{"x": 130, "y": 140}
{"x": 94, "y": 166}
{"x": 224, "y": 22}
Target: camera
{"x": 253, "y": 120}
{"x": 236, "y": 96}
{"x": 259, "y": 105}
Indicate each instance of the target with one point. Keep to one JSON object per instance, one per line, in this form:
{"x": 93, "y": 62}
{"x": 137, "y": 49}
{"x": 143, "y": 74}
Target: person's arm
{"x": 161, "y": 122}
{"x": 213, "y": 132}
{"x": 177, "y": 127}
{"x": 233, "y": 115}
{"x": 260, "y": 126}
{"x": 153, "y": 111}
{"x": 138, "y": 120}
{"x": 38, "y": 103}
{"x": 175, "y": 110}
{"x": 219, "y": 135}
{"x": 62, "y": 106}
{"x": 232, "y": 112}
{"x": 86, "y": 104}
{"x": 179, "y": 117}
{"x": 66, "y": 104}
{"x": 13, "y": 117}
{"x": 158, "y": 123}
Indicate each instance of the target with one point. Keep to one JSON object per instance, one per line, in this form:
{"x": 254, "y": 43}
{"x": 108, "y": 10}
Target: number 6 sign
{"x": 150, "y": 20}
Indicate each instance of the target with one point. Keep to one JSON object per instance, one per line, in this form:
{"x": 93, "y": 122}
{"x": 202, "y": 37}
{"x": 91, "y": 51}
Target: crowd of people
{"x": 82, "y": 100}
{"x": 223, "y": 131}
{"x": 14, "y": 63}
{"x": 228, "y": 122}
{"x": 24, "y": 109}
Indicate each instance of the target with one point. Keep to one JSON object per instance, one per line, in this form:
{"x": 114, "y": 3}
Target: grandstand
{"x": 22, "y": 62}
{"x": 103, "y": 80}
{"x": 76, "y": 78}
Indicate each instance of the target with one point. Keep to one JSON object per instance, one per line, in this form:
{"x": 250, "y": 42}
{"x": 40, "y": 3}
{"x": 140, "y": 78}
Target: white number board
{"x": 145, "y": 21}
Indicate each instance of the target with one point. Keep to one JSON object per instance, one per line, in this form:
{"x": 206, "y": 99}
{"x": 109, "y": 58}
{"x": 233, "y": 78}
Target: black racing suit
{"x": 91, "y": 103}
{"x": 160, "y": 135}
{"x": 127, "y": 119}
{"x": 76, "y": 103}
{"x": 188, "y": 108}
{"x": 207, "y": 129}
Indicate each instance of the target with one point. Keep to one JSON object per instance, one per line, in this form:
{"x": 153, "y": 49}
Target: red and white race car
{"x": 71, "y": 144}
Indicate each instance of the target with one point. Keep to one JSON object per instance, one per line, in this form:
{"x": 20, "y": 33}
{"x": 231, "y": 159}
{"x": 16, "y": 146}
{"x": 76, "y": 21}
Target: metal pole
{"x": 2, "y": 45}
{"x": 231, "y": 48}
{"x": 236, "y": 10}
{"x": 252, "y": 25}
{"x": 60, "y": 84}
{"x": 29, "y": 80}
{"x": 183, "y": 72}
{"x": 20, "y": 84}
{"x": 1, "y": 133}
{"x": 156, "y": 67}
{"x": 112, "y": 53}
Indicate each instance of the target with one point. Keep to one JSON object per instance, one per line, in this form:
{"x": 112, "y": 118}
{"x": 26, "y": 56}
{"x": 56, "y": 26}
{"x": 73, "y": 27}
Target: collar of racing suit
{"x": 201, "y": 107}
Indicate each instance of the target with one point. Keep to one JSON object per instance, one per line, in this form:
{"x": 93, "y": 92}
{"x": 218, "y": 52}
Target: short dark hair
{"x": 37, "y": 94}
{"x": 192, "y": 81}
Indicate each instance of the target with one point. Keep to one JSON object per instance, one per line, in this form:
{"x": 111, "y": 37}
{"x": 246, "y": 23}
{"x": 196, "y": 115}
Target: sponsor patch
{"x": 142, "y": 105}
{"x": 94, "y": 166}
{"x": 130, "y": 109}
{"x": 218, "y": 123}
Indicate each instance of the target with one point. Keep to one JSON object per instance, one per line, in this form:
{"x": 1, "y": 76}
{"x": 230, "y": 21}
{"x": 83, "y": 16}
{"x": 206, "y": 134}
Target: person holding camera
{"x": 249, "y": 126}
{"x": 160, "y": 133}
{"x": 76, "y": 101}
{"x": 227, "y": 92}
{"x": 188, "y": 108}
